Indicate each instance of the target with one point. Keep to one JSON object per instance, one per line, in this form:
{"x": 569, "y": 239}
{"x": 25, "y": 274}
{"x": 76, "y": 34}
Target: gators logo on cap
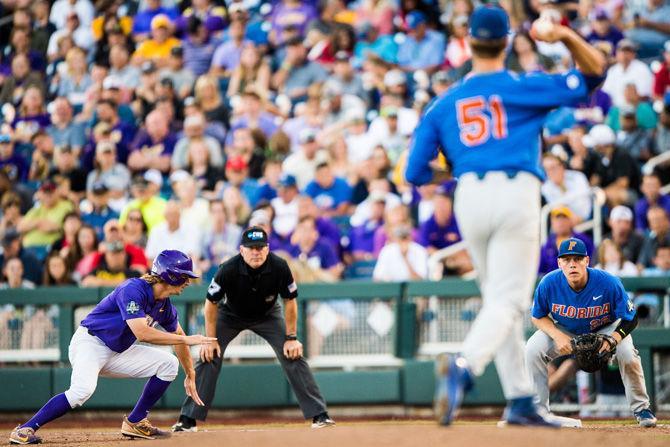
{"x": 571, "y": 246}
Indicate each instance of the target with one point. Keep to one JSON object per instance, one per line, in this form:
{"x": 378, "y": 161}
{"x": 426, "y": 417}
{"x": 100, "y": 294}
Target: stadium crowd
{"x": 130, "y": 127}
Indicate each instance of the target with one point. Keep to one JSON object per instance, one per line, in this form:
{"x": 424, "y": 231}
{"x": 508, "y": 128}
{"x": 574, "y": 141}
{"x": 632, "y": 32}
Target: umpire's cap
{"x": 254, "y": 237}
{"x": 489, "y": 23}
{"x": 572, "y": 247}
{"x": 173, "y": 267}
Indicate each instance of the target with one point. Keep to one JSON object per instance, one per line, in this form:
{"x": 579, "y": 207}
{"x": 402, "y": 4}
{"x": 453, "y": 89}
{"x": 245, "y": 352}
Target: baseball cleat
{"x": 453, "y": 381}
{"x": 646, "y": 418}
{"x": 24, "y": 436}
{"x": 563, "y": 421}
{"x": 522, "y": 411}
{"x": 142, "y": 429}
{"x": 180, "y": 426}
{"x": 322, "y": 421}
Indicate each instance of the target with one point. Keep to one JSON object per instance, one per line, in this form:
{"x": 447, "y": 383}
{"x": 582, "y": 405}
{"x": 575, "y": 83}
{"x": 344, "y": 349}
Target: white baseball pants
{"x": 91, "y": 358}
{"x": 540, "y": 350}
{"x": 499, "y": 218}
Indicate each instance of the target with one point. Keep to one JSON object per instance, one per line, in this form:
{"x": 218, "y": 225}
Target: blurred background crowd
{"x": 129, "y": 127}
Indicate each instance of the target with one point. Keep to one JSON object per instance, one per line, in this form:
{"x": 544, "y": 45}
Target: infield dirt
{"x": 373, "y": 434}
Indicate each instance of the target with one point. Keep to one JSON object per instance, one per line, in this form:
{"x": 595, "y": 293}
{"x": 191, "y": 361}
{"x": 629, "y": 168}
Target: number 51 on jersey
{"x": 479, "y": 119}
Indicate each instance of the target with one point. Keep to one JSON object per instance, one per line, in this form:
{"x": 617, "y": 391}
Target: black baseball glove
{"x": 586, "y": 349}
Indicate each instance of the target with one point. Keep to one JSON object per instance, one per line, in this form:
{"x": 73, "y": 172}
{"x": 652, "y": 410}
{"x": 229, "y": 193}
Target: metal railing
{"x": 595, "y": 224}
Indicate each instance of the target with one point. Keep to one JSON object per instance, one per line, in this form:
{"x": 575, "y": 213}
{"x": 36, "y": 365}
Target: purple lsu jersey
{"x": 134, "y": 298}
{"x": 491, "y": 122}
{"x": 601, "y": 302}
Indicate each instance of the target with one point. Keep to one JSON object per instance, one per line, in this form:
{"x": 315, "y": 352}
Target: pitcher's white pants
{"x": 91, "y": 358}
{"x": 540, "y": 350}
{"x": 499, "y": 218}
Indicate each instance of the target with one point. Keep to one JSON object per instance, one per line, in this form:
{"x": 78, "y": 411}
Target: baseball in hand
{"x": 544, "y": 30}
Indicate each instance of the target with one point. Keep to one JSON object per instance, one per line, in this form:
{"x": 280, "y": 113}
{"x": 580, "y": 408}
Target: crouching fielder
{"x": 576, "y": 300}
{"x": 104, "y": 345}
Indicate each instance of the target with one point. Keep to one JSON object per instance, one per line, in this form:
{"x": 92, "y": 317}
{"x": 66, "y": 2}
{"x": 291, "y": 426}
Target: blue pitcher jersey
{"x": 491, "y": 122}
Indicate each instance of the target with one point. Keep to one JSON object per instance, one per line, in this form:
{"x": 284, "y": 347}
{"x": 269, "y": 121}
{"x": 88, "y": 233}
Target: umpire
{"x": 245, "y": 290}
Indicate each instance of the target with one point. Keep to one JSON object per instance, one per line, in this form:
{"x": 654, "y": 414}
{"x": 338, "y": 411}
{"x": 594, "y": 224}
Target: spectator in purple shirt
{"x": 603, "y": 30}
{"x": 361, "y": 237}
{"x": 14, "y": 165}
{"x": 324, "y": 225}
{"x": 291, "y": 13}
{"x": 153, "y": 145}
{"x": 441, "y": 229}
{"x": 651, "y": 190}
{"x": 198, "y": 47}
{"x": 561, "y": 229}
{"x": 227, "y": 55}
{"x": 308, "y": 247}
{"x": 142, "y": 21}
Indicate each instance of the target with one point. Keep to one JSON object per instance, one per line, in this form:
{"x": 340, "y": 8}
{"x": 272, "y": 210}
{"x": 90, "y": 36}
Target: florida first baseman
{"x": 104, "y": 345}
{"x": 488, "y": 126}
{"x": 577, "y": 300}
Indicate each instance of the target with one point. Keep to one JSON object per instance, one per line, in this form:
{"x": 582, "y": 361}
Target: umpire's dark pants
{"x": 272, "y": 329}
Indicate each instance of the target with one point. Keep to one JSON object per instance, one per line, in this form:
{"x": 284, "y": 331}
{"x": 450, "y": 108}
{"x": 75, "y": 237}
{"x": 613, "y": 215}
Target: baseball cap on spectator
{"x": 105, "y": 146}
{"x": 236, "y": 163}
{"x": 179, "y": 176}
{"x": 599, "y": 135}
{"x": 600, "y": 14}
{"x": 389, "y": 112}
{"x": 294, "y": 41}
{"x": 377, "y": 196}
{"x": 414, "y": 19}
{"x": 488, "y": 23}
{"x": 154, "y": 176}
{"x": 115, "y": 246}
{"x": 395, "y": 77}
{"x": 254, "y": 237}
{"x": 259, "y": 217}
{"x": 140, "y": 182}
{"x": 5, "y": 138}
{"x": 626, "y": 44}
{"x": 442, "y": 77}
{"x": 148, "y": 67}
{"x": 342, "y": 56}
{"x": 332, "y": 88}
{"x": 177, "y": 51}
{"x": 306, "y": 136}
{"x": 621, "y": 212}
{"x": 562, "y": 211}
{"x": 112, "y": 82}
{"x": 287, "y": 181}
{"x": 627, "y": 110}
{"x": 355, "y": 115}
{"x": 160, "y": 20}
{"x": 99, "y": 188}
{"x": 237, "y": 7}
{"x": 10, "y": 236}
{"x": 572, "y": 246}
{"x": 460, "y": 20}
{"x": 48, "y": 186}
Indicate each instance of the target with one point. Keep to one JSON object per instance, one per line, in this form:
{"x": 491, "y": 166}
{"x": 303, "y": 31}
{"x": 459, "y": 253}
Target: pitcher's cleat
{"x": 453, "y": 381}
{"x": 646, "y": 418}
{"x": 142, "y": 429}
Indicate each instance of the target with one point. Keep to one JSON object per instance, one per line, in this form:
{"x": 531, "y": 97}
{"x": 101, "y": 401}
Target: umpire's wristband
{"x": 291, "y": 337}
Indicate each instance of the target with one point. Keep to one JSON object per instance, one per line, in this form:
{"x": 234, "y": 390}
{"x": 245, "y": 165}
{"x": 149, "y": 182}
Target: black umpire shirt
{"x": 250, "y": 293}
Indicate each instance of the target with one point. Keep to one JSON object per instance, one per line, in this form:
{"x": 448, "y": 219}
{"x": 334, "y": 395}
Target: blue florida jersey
{"x": 491, "y": 122}
{"x": 601, "y": 302}
{"x": 134, "y": 298}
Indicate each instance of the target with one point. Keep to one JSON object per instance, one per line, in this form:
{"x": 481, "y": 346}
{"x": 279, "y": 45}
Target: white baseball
{"x": 542, "y": 27}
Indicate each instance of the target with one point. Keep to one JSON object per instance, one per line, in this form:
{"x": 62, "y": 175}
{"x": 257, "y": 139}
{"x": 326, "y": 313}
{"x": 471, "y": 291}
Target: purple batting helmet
{"x": 173, "y": 267}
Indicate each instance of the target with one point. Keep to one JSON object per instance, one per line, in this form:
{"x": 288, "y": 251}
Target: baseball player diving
{"x": 575, "y": 300}
{"x": 104, "y": 345}
{"x": 488, "y": 126}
